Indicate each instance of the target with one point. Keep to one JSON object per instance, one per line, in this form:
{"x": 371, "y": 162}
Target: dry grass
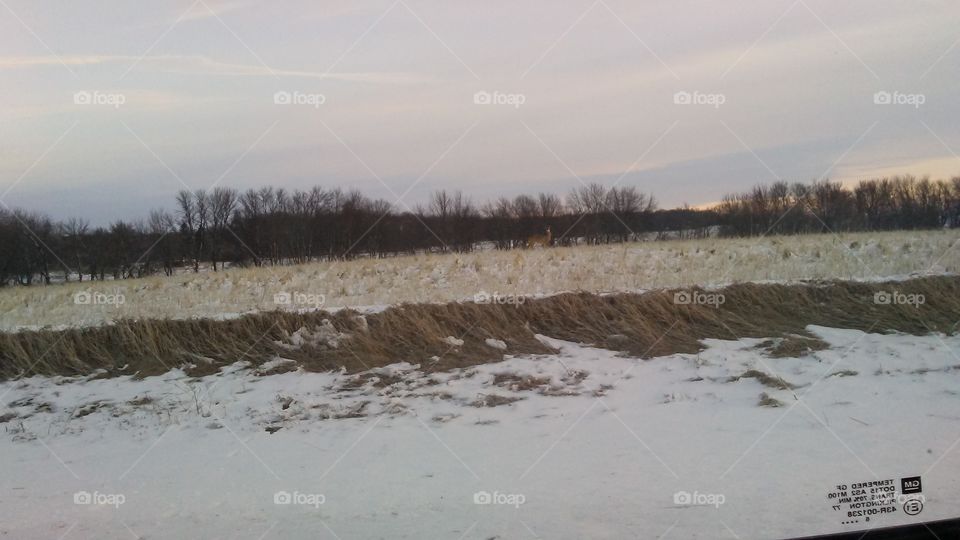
{"x": 439, "y": 278}
{"x": 764, "y": 379}
{"x": 494, "y": 400}
{"x": 793, "y": 346}
{"x": 766, "y": 400}
{"x": 519, "y": 383}
{"x": 645, "y": 325}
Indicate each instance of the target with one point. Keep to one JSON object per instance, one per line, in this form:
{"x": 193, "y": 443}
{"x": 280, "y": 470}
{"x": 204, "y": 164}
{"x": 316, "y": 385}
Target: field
{"x": 713, "y": 389}
{"x": 596, "y": 444}
{"x": 374, "y": 283}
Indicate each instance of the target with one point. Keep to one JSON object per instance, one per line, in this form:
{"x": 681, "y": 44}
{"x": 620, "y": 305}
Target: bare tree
{"x": 222, "y": 204}
{"x": 161, "y": 227}
{"x": 73, "y": 231}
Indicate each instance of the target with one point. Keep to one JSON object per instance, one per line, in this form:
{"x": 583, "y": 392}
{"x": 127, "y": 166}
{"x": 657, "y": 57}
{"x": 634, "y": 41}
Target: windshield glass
{"x": 410, "y": 269}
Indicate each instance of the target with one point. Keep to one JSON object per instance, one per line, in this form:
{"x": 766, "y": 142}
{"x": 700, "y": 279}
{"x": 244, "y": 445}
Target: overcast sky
{"x": 110, "y": 107}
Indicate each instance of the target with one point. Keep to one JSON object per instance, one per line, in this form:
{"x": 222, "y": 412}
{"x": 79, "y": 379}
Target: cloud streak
{"x": 205, "y": 65}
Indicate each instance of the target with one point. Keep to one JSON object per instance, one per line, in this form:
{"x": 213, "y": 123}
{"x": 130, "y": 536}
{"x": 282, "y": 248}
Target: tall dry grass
{"x": 647, "y": 324}
{"x": 446, "y": 278}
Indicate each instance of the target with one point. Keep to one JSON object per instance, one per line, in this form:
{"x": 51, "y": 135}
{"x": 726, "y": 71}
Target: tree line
{"x": 275, "y": 226}
{"x": 825, "y": 206}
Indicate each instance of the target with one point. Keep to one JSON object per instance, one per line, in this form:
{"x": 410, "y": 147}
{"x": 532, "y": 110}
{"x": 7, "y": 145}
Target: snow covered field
{"x": 728, "y": 443}
{"x": 595, "y": 446}
{"x": 445, "y": 278}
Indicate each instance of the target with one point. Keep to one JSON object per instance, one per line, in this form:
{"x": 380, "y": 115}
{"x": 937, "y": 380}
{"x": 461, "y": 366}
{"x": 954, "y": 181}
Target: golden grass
{"x": 441, "y": 278}
{"x": 646, "y": 325}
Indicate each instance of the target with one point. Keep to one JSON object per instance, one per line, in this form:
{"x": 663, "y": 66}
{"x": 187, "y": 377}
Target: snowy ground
{"x": 597, "y": 446}
{"x": 445, "y": 278}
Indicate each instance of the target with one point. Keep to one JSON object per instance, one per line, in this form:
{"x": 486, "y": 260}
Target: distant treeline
{"x": 871, "y": 205}
{"x": 273, "y": 226}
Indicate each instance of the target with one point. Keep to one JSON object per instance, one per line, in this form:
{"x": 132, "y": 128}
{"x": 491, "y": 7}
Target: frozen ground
{"x": 597, "y": 446}
{"x": 445, "y": 278}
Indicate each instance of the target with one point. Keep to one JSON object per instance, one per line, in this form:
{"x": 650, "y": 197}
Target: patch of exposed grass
{"x": 575, "y": 377}
{"x": 947, "y": 369}
{"x": 558, "y": 391}
{"x": 517, "y": 383}
{"x": 493, "y": 400}
{"x": 327, "y": 412}
{"x": 764, "y": 379}
{"x": 90, "y": 408}
{"x": 278, "y": 369}
{"x": 45, "y": 406}
{"x": 793, "y": 346}
{"x": 766, "y": 400}
{"x": 602, "y": 390}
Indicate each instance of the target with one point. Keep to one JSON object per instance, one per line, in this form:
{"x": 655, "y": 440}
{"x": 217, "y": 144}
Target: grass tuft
{"x": 768, "y": 401}
{"x": 764, "y": 379}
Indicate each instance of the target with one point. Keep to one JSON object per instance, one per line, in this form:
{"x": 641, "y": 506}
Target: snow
{"x": 453, "y": 342}
{"x": 581, "y": 444}
{"x": 325, "y": 334}
{"x": 496, "y": 344}
{"x": 372, "y": 284}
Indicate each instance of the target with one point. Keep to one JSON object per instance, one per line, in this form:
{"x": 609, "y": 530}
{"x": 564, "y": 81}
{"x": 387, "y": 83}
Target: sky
{"x": 108, "y": 108}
